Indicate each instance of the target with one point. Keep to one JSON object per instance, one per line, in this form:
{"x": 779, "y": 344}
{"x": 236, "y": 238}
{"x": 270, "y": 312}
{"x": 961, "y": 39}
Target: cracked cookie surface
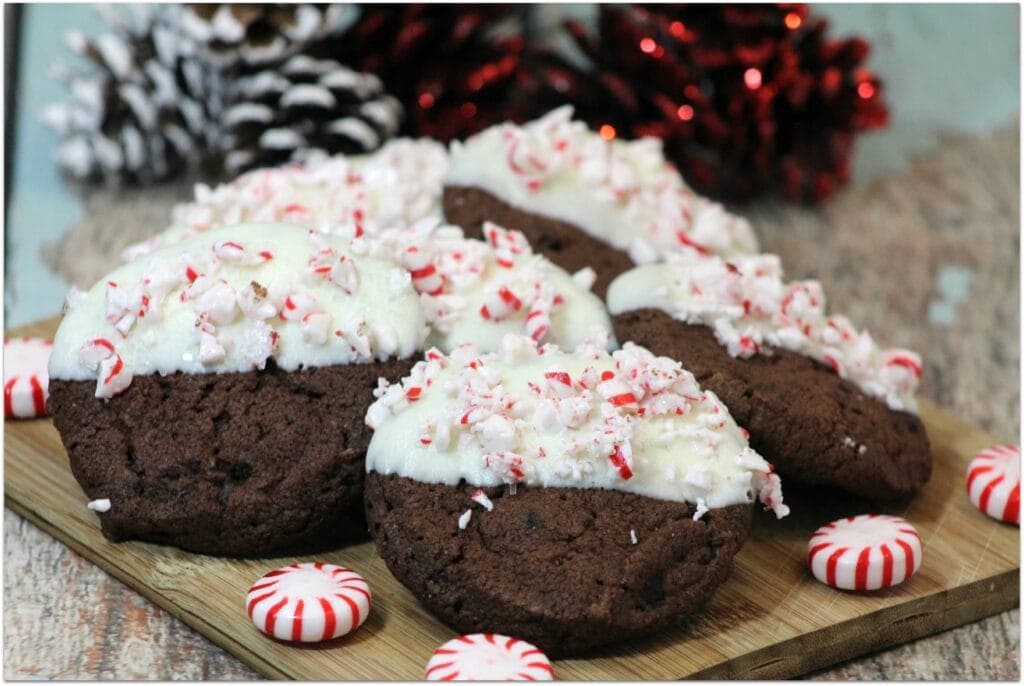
{"x": 240, "y": 464}
{"x": 554, "y": 566}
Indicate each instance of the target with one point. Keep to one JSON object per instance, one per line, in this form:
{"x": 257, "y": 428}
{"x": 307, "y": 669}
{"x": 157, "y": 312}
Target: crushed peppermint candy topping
{"x": 112, "y": 374}
{"x": 750, "y": 308}
{"x": 547, "y": 164}
{"x": 536, "y": 415}
{"x": 393, "y": 187}
{"x": 477, "y": 291}
{"x": 481, "y": 499}
{"x": 232, "y": 299}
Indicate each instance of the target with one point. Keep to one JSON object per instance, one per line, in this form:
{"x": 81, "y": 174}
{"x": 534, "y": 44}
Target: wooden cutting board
{"x": 771, "y": 619}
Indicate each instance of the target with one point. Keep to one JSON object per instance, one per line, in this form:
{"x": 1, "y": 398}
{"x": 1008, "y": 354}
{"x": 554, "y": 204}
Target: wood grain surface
{"x": 770, "y": 619}
{"x": 881, "y": 250}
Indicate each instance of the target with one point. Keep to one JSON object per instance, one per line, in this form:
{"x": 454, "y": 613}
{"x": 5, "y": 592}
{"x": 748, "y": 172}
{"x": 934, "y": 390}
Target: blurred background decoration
{"x": 749, "y": 99}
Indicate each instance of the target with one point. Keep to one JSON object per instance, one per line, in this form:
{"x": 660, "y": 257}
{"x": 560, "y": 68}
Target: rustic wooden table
{"x": 927, "y": 259}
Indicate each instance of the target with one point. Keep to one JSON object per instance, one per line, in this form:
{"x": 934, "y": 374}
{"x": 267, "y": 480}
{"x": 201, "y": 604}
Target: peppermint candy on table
{"x": 864, "y": 553}
{"x": 488, "y": 657}
{"x": 993, "y": 482}
{"x": 26, "y": 381}
{"x": 309, "y": 602}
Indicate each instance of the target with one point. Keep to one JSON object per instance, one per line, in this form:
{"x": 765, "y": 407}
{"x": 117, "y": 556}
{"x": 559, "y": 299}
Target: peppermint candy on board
{"x": 26, "y": 381}
{"x": 993, "y": 482}
{"x": 488, "y": 657}
{"x": 309, "y": 602}
{"x": 864, "y": 553}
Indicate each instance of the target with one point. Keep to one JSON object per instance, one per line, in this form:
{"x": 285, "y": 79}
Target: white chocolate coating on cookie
{"x": 748, "y": 306}
{"x": 229, "y": 299}
{"x": 393, "y": 187}
{"x": 622, "y": 192}
{"x": 475, "y": 291}
{"x": 626, "y": 420}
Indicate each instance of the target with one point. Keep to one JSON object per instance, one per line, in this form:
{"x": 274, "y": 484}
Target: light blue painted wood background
{"x": 946, "y": 67}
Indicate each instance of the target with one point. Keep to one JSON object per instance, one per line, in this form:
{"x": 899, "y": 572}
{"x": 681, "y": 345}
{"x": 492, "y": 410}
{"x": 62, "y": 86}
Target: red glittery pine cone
{"x": 457, "y": 69}
{"x": 748, "y": 98}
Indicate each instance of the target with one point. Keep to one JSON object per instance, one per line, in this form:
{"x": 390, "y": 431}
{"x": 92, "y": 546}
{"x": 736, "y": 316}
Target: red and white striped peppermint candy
{"x": 26, "y": 380}
{"x": 615, "y": 390}
{"x": 538, "y": 319}
{"x": 864, "y": 553}
{"x": 421, "y": 267}
{"x": 488, "y": 657}
{"x": 500, "y": 304}
{"x": 507, "y": 244}
{"x": 309, "y": 602}
{"x": 993, "y": 482}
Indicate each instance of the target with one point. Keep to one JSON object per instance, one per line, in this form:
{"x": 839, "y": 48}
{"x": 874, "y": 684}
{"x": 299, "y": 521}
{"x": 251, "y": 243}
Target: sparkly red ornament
{"x": 748, "y": 98}
{"x": 456, "y": 68}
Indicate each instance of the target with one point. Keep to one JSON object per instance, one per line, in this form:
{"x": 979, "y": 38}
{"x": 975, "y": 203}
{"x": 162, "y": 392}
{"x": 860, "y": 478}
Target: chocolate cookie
{"x": 554, "y": 566}
{"x": 815, "y": 426}
{"x": 562, "y": 243}
{"x": 211, "y": 394}
{"x": 241, "y": 464}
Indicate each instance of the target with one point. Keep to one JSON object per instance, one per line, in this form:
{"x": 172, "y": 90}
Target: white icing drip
{"x": 589, "y": 419}
{"x": 622, "y": 192}
{"x": 748, "y": 306}
{"x": 230, "y": 299}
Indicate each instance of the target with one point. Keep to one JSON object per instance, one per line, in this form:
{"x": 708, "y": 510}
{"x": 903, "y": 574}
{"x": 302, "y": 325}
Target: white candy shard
{"x": 99, "y": 505}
